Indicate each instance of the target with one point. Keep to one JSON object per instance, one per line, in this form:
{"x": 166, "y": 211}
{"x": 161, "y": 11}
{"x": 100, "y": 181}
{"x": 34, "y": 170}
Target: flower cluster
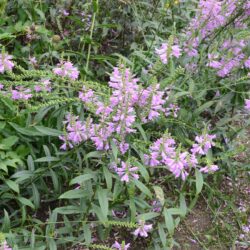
{"x": 77, "y": 132}
{"x": 21, "y": 94}
{"x": 66, "y": 69}
{"x": 6, "y": 63}
{"x": 231, "y": 57}
{"x": 204, "y": 143}
{"x": 211, "y": 15}
{"x": 118, "y": 114}
{"x": 164, "y": 152}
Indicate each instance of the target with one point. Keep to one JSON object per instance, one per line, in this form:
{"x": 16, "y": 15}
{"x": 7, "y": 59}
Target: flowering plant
{"x": 87, "y": 158}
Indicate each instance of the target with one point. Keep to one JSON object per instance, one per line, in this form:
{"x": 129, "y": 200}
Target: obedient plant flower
{"x": 247, "y": 63}
{"x": 164, "y": 52}
{"x": 211, "y": 15}
{"x": 247, "y": 104}
{"x": 5, "y": 246}
{"x": 86, "y": 95}
{"x": 45, "y": 85}
{"x": 121, "y": 246}
{"x": 126, "y": 172}
{"x": 5, "y": 63}
{"x": 66, "y": 69}
{"x": 1, "y": 86}
{"x": 77, "y": 131}
{"x": 205, "y": 142}
{"x": 163, "y": 152}
{"x": 177, "y": 165}
{"x": 209, "y": 168}
{"x": 143, "y": 229}
{"x": 32, "y": 60}
{"x": 152, "y": 101}
{"x": 21, "y": 94}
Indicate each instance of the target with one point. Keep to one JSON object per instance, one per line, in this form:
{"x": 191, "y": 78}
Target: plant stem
{"x": 89, "y": 47}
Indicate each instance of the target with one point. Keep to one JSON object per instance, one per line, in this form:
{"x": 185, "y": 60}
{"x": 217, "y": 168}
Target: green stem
{"x": 89, "y": 47}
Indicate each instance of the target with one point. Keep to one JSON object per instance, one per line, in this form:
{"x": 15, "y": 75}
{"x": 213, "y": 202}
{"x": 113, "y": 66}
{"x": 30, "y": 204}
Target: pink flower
{"x": 6, "y": 246}
{"x": 205, "y": 142}
{"x": 64, "y": 12}
{"x": 77, "y": 131}
{"x": 247, "y": 104}
{"x": 21, "y": 94}
{"x": 5, "y": 63}
{"x": 1, "y": 86}
{"x": 162, "y": 52}
{"x": 86, "y": 95}
{"x": 33, "y": 60}
{"x": 209, "y": 169}
{"x": 44, "y": 86}
{"x": 126, "y": 172}
{"x": 66, "y": 69}
{"x": 121, "y": 246}
{"x": 247, "y": 63}
{"x": 176, "y": 51}
{"x": 143, "y": 229}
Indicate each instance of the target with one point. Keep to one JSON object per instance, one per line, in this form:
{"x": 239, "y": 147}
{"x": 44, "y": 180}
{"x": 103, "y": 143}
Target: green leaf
{"x": 143, "y": 188}
{"x": 108, "y": 177}
{"x": 102, "y": 195}
{"x": 114, "y": 150}
{"x": 183, "y": 205}
{"x": 143, "y": 170}
{"x": 8, "y": 142}
{"x": 2, "y": 125}
{"x": 159, "y": 194}
{"x": 31, "y": 131}
{"x": 98, "y": 211}
{"x": 74, "y": 194}
{"x": 169, "y": 222}
{"x": 144, "y": 136}
{"x": 26, "y": 202}
{"x": 203, "y": 107}
{"x": 48, "y": 131}
{"x": 162, "y": 234}
{"x": 87, "y": 233}
{"x": 13, "y": 185}
{"x": 6, "y": 222}
{"x": 81, "y": 179}
{"x": 148, "y": 216}
{"x": 198, "y": 181}
{"x": 30, "y": 163}
{"x": 6, "y": 36}
{"x": 68, "y": 210}
{"x": 36, "y": 195}
{"x": 47, "y": 159}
